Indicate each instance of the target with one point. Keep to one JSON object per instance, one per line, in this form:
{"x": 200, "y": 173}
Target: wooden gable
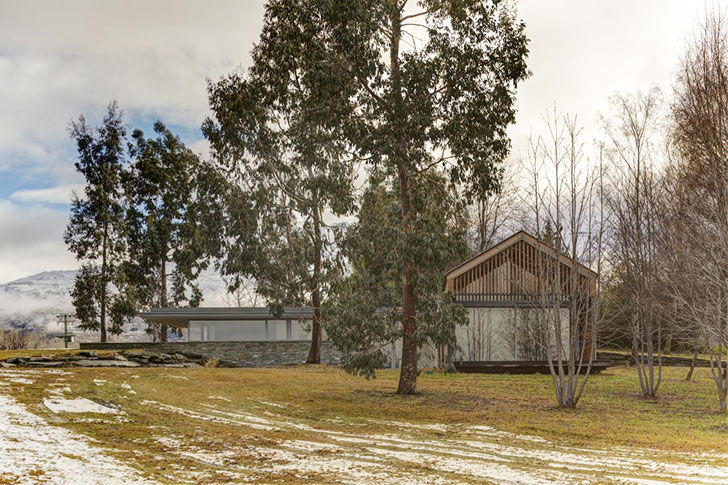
{"x": 515, "y": 269}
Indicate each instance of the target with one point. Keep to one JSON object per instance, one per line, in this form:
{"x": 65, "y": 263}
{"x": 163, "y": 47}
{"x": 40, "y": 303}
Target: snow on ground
{"x": 78, "y": 405}
{"x": 33, "y": 451}
{"x": 439, "y": 453}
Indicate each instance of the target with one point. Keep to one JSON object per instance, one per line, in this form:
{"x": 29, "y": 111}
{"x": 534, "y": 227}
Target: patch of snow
{"x": 32, "y": 451}
{"x": 57, "y": 391}
{"x": 266, "y": 403}
{"x": 19, "y": 380}
{"x": 220, "y": 398}
{"x": 492, "y": 431}
{"x": 78, "y": 405}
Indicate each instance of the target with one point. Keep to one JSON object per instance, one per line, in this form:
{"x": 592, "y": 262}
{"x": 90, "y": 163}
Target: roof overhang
{"x": 180, "y": 317}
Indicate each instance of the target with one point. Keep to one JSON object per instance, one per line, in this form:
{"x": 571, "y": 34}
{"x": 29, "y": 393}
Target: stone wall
{"x": 239, "y": 354}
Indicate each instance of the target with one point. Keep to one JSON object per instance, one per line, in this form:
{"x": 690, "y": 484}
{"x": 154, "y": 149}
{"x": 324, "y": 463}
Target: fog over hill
{"x": 34, "y": 302}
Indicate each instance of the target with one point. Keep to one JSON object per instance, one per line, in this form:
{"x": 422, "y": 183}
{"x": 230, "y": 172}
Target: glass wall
{"x": 498, "y": 334}
{"x": 277, "y": 330}
{"x": 248, "y": 330}
{"x": 300, "y": 329}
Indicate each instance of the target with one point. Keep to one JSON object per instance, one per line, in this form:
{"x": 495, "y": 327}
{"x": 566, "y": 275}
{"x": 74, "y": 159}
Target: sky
{"x": 59, "y": 60}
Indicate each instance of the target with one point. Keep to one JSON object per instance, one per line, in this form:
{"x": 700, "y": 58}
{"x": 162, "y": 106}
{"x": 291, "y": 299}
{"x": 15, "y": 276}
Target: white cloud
{"x": 581, "y": 53}
{"x": 31, "y": 240}
{"x": 53, "y": 195}
{"x": 61, "y": 59}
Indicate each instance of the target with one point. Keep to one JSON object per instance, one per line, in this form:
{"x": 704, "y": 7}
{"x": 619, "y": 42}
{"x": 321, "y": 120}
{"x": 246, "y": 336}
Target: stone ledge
{"x": 261, "y": 353}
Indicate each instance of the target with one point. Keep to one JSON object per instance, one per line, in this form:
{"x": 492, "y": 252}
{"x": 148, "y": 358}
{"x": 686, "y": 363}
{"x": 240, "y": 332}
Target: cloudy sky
{"x": 62, "y": 59}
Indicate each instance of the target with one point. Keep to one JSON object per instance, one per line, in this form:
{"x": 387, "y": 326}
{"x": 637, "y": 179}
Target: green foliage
{"x": 134, "y": 218}
{"x": 363, "y": 316}
{"x": 285, "y": 165}
{"x": 415, "y": 96}
{"x": 166, "y": 238}
{"x": 96, "y": 230}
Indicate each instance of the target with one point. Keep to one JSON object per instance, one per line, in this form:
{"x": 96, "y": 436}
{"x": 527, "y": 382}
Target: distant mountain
{"x": 35, "y": 301}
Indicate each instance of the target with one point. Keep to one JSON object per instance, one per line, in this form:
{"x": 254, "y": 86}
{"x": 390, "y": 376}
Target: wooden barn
{"x": 514, "y": 293}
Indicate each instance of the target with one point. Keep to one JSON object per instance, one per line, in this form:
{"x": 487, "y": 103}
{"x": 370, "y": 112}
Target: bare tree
{"x": 566, "y": 194}
{"x": 242, "y": 294}
{"x": 700, "y": 136}
{"x": 493, "y": 215}
{"x": 631, "y": 134}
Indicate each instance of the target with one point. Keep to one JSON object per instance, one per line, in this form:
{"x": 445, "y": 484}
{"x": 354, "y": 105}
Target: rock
{"x": 13, "y": 360}
{"x": 180, "y": 358}
{"x": 89, "y": 354}
{"x": 6, "y": 365}
{"x": 106, "y": 363}
{"x": 70, "y": 357}
{"x": 46, "y": 364}
{"x": 190, "y": 365}
{"x": 41, "y": 358}
{"x": 160, "y": 359}
{"x": 130, "y": 353}
{"x": 120, "y": 357}
{"x": 194, "y": 356}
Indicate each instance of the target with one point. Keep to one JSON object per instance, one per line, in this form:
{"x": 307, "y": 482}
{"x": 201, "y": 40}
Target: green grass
{"x": 7, "y": 354}
{"x": 684, "y": 355}
{"x": 683, "y": 418}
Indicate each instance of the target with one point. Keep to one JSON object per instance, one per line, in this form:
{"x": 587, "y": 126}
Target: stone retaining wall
{"x": 239, "y": 354}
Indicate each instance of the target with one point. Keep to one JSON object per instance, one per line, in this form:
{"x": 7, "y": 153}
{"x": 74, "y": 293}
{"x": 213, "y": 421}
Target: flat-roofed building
{"x": 222, "y": 324}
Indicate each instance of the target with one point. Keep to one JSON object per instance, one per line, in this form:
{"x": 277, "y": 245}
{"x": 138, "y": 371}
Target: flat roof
{"x": 180, "y": 317}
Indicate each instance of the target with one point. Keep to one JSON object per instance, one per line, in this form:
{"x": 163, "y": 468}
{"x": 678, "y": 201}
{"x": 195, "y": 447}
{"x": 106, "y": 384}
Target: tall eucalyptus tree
{"x": 165, "y": 232}
{"x": 416, "y": 87}
{"x": 96, "y": 230}
{"x": 288, "y": 167}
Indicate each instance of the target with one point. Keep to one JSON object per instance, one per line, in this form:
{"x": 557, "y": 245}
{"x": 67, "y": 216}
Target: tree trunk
{"x": 104, "y": 279}
{"x": 692, "y": 365}
{"x": 314, "y": 354}
{"x": 408, "y": 371}
{"x": 163, "y": 300}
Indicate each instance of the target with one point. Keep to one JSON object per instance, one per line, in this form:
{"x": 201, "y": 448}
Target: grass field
{"x": 317, "y": 424}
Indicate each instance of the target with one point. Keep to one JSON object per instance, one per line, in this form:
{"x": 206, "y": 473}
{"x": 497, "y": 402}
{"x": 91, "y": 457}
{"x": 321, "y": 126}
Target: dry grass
{"x": 611, "y": 413}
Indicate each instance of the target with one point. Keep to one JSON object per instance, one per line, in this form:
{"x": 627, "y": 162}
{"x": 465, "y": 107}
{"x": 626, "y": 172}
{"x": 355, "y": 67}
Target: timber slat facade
{"x": 525, "y": 272}
{"x": 520, "y": 269}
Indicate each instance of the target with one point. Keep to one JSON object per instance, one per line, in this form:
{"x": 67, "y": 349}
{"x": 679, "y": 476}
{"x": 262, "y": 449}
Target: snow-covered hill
{"x": 35, "y": 301}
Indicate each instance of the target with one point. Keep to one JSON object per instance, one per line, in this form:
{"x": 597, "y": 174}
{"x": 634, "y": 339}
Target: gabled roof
{"x": 486, "y": 254}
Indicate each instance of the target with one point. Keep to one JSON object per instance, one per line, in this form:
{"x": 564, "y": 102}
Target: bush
{"x": 16, "y": 339}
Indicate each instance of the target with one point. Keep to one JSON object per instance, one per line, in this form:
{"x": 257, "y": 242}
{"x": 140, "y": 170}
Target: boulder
{"x": 106, "y": 363}
{"x": 160, "y": 359}
{"x": 58, "y": 363}
{"x": 40, "y": 358}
